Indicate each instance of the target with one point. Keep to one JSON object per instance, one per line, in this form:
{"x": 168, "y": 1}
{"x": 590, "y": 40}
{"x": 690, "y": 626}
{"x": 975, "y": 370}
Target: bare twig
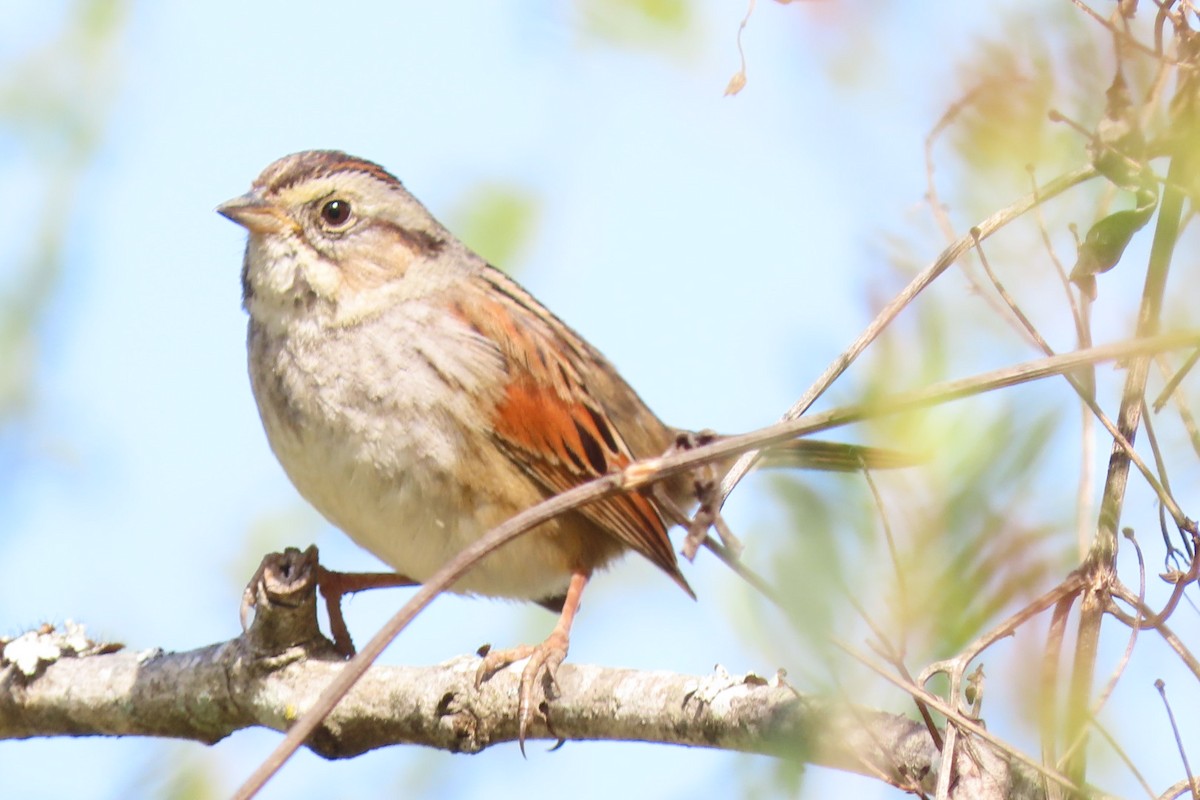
{"x": 1146, "y": 619}
{"x": 1085, "y": 394}
{"x": 1183, "y": 408}
{"x": 1121, "y": 35}
{"x": 1121, "y": 754}
{"x": 948, "y": 256}
{"x": 1161, "y": 686}
{"x": 1173, "y": 641}
{"x": 1175, "y": 380}
{"x": 895, "y": 655}
{"x": 950, "y": 711}
{"x": 1047, "y": 707}
{"x": 955, "y": 668}
{"x": 738, "y": 81}
{"x": 1083, "y": 338}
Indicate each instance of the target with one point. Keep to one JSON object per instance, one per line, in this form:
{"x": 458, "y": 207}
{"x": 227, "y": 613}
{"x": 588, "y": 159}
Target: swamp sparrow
{"x": 418, "y": 397}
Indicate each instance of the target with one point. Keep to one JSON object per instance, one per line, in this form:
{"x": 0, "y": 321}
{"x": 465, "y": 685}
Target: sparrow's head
{"x": 332, "y": 231}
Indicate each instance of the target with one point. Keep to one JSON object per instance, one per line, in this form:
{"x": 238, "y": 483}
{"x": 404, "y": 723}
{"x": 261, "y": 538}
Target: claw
{"x": 542, "y": 668}
{"x": 544, "y": 661}
{"x": 249, "y": 600}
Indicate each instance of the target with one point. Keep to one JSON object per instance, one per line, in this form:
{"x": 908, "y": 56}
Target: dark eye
{"x": 336, "y": 213}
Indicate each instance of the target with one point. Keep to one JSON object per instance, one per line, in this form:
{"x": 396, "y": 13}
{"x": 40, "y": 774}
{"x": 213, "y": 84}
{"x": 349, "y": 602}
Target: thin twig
{"x": 889, "y": 312}
{"x": 1182, "y": 407}
{"x": 1175, "y": 380}
{"x": 1161, "y": 686}
{"x": 738, "y": 81}
{"x": 1048, "y": 710}
{"x": 1173, "y": 641}
{"x": 1179, "y": 788}
{"x": 962, "y": 721}
{"x": 1087, "y": 438}
{"x": 1123, "y": 36}
{"x": 1146, "y": 619}
{"x": 896, "y": 654}
{"x": 1084, "y": 394}
{"x": 955, "y": 668}
{"x": 1121, "y": 754}
{"x": 937, "y": 208}
{"x": 901, "y": 583}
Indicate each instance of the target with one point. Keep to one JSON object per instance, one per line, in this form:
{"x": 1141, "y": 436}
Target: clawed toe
{"x": 496, "y": 660}
{"x": 544, "y": 660}
{"x": 541, "y": 669}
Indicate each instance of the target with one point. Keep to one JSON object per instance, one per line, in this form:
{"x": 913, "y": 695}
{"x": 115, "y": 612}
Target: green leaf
{"x": 1107, "y": 239}
{"x": 497, "y": 220}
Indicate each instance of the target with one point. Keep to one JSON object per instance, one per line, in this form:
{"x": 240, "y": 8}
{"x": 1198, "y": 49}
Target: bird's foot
{"x": 544, "y": 660}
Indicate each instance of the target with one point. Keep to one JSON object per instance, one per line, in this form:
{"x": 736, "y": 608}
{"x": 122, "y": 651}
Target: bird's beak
{"x": 255, "y": 214}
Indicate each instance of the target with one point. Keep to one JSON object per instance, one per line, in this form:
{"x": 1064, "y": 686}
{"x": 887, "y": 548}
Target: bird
{"x": 418, "y": 396}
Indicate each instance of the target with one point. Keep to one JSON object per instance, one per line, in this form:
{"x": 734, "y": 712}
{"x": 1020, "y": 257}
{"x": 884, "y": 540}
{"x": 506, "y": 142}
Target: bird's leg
{"x": 544, "y": 658}
{"x": 334, "y": 585}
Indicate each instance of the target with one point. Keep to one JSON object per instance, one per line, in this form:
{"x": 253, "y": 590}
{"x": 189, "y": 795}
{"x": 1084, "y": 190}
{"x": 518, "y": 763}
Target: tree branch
{"x": 274, "y": 672}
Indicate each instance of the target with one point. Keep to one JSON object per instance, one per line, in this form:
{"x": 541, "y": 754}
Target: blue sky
{"x": 719, "y": 250}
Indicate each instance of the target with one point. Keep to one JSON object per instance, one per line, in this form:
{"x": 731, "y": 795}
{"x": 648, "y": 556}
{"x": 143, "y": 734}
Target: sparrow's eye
{"x": 336, "y": 213}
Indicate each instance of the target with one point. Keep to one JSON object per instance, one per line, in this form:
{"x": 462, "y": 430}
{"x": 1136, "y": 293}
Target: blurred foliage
{"x": 54, "y": 101}
{"x": 983, "y": 545}
{"x": 497, "y": 220}
{"x": 1014, "y": 80}
{"x": 971, "y": 542}
{"x": 178, "y": 771}
{"x": 811, "y": 537}
{"x": 786, "y": 779}
{"x": 653, "y": 25}
{"x": 990, "y": 522}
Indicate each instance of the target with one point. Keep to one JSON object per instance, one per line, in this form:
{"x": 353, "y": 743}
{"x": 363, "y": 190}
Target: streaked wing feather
{"x": 551, "y": 423}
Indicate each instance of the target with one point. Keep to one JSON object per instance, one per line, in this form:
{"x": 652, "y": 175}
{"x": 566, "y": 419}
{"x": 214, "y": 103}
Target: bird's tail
{"x": 834, "y": 456}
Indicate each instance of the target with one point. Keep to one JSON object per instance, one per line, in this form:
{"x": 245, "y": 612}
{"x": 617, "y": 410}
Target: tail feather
{"x": 834, "y": 456}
